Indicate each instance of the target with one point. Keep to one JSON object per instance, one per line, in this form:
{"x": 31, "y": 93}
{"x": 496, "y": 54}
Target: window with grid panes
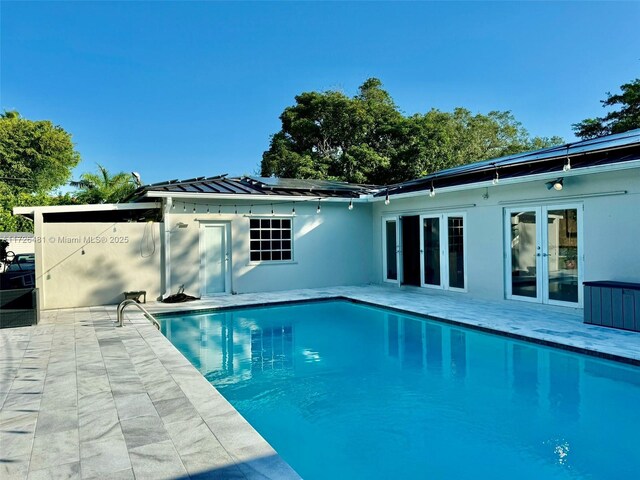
{"x": 270, "y": 239}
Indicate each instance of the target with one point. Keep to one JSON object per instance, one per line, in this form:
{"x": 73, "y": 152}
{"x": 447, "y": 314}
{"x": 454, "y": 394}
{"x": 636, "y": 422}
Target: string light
{"x": 350, "y": 204}
{"x": 272, "y": 209}
{"x": 250, "y": 207}
{"x": 236, "y": 207}
{"x": 318, "y": 209}
{"x": 386, "y": 200}
{"x": 293, "y": 210}
{"x": 496, "y": 180}
{"x": 194, "y": 208}
{"x": 219, "y": 210}
{"x": 567, "y": 166}
{"x": 184, "y": 207}
{"x": 207, "y": 208}
{"x": 432, "y": 192}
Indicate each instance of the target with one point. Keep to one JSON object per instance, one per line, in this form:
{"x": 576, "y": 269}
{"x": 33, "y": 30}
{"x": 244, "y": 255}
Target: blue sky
{"x": 178, "y": 90}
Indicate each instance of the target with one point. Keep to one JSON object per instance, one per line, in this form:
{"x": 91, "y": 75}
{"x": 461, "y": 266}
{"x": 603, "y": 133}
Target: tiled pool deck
{"x": 80, "y": 398}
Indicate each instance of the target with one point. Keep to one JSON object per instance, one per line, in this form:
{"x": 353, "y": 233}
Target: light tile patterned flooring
{"x": 80, "y": 398}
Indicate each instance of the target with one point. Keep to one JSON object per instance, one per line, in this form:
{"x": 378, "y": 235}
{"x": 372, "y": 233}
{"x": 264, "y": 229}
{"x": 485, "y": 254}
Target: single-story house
{"x": 527, "y": 227}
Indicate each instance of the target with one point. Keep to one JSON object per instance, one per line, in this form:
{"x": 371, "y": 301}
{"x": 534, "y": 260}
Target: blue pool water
{"x": 348, "y": 391}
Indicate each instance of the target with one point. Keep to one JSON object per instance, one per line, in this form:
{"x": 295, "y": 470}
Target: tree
{"x": 10, "y": 199}
{"x": 103, "y": 187}
{"x": 366, "y": 139}
{"x": 616, "y": 121}
{"x": 35, "y": 156}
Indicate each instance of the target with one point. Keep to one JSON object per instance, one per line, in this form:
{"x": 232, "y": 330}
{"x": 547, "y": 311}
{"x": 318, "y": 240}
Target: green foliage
{"x": 616, "y": 121}
{"x": 10, "y": 199}
{"x": 366, "y": 139}
{"x": 35, "y": 156}
{"x": 103, "y": 187}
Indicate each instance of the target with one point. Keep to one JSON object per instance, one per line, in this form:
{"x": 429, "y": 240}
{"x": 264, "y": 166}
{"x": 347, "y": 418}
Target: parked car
{"x": 22, "y": 262}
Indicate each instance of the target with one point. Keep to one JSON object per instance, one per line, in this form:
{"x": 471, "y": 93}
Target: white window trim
{"x": 272, "y": 262}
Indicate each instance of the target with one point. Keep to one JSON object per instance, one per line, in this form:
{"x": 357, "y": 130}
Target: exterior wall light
{"x": 556, "y": 184}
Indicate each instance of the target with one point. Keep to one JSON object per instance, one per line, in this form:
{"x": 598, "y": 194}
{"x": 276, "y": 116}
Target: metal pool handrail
{"x": 126, "y": 303}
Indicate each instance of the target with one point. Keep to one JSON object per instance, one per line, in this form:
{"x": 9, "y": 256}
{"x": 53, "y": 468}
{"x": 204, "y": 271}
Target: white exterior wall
{"x": 127, "y": 257}
{"x": 331, "y": 248}
{"x": 611, "y": 225}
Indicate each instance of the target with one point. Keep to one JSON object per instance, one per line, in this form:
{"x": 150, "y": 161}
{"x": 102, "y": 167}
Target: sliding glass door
{"x": 544, "y": 246}
{"x": 443, "y": 251}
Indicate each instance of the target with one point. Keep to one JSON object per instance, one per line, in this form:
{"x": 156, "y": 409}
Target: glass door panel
{"x": 523, "y": 254}
{"x": 431, "y": 250}
{"x": 562, "y": 254}
{"x": 391, "y": 263}
{"x": 456, "y": 251}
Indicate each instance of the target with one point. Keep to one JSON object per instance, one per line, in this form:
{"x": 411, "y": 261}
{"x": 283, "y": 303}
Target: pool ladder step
{"x": 126, "y": 303}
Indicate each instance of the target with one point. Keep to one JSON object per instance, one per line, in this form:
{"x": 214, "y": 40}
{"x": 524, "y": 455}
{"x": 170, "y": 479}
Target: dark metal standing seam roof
{"x": 257, "y": 186}
{"x": 610, "y": 149}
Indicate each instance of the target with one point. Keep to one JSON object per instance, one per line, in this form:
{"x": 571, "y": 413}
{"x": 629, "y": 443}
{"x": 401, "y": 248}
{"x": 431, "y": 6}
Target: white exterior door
{"x": 214, "y": 259}
{"x": 443, "y": 251}
{"x": 544, "y": 254}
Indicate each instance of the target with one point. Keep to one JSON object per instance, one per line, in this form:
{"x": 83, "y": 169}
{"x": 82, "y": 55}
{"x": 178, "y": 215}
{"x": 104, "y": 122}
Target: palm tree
{"x": 103, "y": 187}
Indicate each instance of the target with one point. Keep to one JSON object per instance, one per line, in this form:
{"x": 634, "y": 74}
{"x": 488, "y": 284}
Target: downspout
{"x": 166, "y": 274}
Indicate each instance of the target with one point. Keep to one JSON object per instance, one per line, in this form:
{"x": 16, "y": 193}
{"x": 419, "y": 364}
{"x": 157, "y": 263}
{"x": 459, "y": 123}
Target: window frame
{"x": 268, "y": 238}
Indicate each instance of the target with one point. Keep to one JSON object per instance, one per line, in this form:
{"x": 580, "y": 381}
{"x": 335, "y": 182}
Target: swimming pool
{"x": 349, "y": 391}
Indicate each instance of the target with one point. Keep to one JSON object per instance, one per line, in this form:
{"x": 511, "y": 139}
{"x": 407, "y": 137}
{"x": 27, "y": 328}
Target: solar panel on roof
{"x": 584, "y": 146}
{"x": 304, "y": 184}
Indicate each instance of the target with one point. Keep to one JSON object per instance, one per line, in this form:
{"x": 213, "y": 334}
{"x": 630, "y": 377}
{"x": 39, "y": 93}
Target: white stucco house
{"x": 529, "y": 227}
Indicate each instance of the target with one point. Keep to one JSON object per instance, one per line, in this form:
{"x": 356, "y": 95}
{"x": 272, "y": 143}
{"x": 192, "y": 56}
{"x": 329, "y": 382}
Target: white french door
{"x": 391, "y": 250}
{"x": 544, "y": 260}
{"x": 443, "y": 251}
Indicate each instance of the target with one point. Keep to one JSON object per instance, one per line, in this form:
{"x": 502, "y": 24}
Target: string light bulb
{"x": 236, "y": 208}
{"x": 496, "y": 179}
{"x": 219, "y": 209}
{"x": 250, "y": 208}
{"x": 318, "y": 210}
{"x": 350, "y": 204}
{"x": 194, "y": 208}
{"x": 432, "y": 192}
{"x": 208, "y": 209}
{"x": 184, "y": 207}
{"x": 272, "y": 209}
{"x": 567, "y": 166}
{"x": 386, "y": 199}
{"x": 293, "y": 211}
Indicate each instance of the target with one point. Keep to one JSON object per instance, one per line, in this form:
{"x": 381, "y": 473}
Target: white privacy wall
{"x": 331, "y": 248}
{"x": 611, "y": 225}
{"x": 117, "y": 257}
